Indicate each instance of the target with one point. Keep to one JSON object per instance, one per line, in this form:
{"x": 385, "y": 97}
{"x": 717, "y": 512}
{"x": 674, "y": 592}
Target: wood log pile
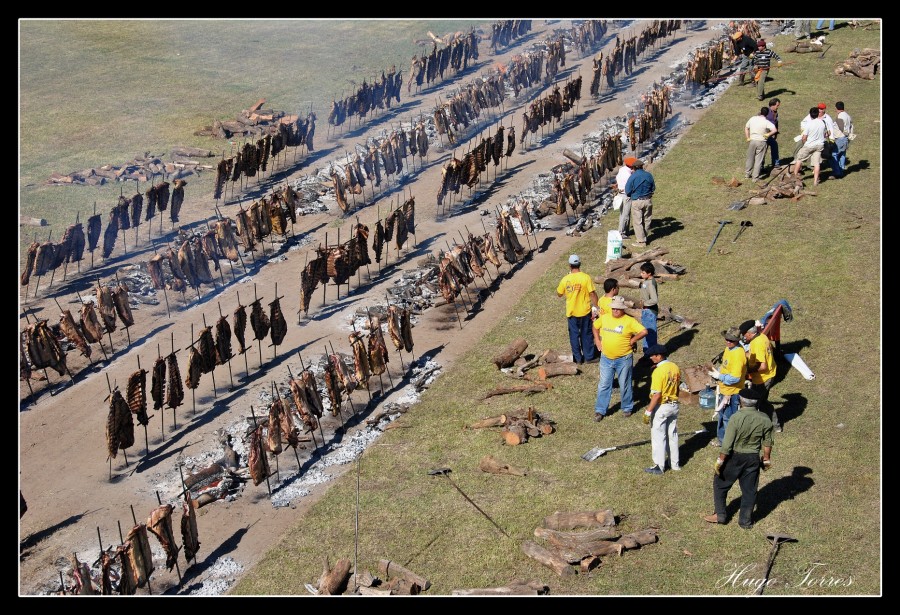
{"x": 782, "y": 186}
{"x": 569, "y": 552}
{"x": 863, "y": 64}
{"x": 518, "y": 426}
{"x": 140, "y": 168}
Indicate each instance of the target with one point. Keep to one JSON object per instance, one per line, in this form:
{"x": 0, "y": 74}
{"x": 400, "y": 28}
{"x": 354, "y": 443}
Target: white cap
{"x": 574, "y": 260}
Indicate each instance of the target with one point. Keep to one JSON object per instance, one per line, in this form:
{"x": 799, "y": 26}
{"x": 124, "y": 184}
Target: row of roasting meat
{"x": 367, "y": 98}
{"x": 624, "y": 55}
{"x": 130, "y": 565}
{"x": 506, "y": 31}
{"x": 465, "y": 107}
{"x": 41, "y": 348}
{"x": 47, "y": 256}
{"x": 456, "y": 55}
{"x": 254, "y": 157}
{"x": 339, "y": 263}
{"x": 551, "y": 107}
{"x": 386, "y": 157}
{"x": 466, "y": 172}
{"x": 285, "y": 423}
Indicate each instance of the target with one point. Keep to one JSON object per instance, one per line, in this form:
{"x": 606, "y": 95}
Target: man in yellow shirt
{"x": 731, "y": 377}
{"x": 581, "y": 303}
{"x": 615, "y": 336}
{"x": 662, "y": 413}
{"x": 610, "y": 290}
{"x": 760, "y": 368}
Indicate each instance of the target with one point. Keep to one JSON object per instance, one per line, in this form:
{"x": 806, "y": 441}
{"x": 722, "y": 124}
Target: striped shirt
{"x": 763, "y": 59}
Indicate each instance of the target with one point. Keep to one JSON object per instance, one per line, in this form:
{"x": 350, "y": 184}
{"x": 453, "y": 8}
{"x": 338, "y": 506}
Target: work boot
{"x": 713, "y": 518}
{"x": 598, "y": 417}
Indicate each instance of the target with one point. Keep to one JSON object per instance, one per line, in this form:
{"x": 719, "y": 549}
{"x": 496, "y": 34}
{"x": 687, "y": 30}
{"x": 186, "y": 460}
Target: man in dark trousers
{"x": 748, "y": 434}
{"x": 744, "y": 47}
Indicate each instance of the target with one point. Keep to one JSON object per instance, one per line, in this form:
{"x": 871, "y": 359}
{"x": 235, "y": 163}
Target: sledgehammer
{"x": 722, "y": 224}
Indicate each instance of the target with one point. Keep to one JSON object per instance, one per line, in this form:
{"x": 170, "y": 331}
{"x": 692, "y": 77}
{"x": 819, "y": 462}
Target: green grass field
{"x": 821, "y": 253}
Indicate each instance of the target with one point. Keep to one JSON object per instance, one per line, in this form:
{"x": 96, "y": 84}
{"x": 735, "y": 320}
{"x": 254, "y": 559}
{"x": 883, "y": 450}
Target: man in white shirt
{"x": 622, "y": 176}
{"x": 813, "y": 139}
{"x": 757, "y": 130}
{"x": 845, "y": 124}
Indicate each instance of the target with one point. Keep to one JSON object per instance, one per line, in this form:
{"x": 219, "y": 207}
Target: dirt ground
{"x": 74, "y": 505}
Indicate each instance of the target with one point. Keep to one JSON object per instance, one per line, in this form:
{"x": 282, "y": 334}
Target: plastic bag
{"x": 618, "y": 200}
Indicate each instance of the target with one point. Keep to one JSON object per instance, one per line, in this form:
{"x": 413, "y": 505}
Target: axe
{"x": 776, "y": 539}
{"x": 722, "y": 224}
{"x": 596, "y": 452}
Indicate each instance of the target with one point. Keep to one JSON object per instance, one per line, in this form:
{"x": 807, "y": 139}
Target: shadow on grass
{"x": 663, "y": 227}
{"x": 782, "y": 489}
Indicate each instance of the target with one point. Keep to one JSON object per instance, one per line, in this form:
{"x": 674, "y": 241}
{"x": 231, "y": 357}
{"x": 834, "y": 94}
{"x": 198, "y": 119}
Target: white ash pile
{"x": 312, "y": 191}
{"x": 218, "y": 579}
{"x": 140, "y": 284}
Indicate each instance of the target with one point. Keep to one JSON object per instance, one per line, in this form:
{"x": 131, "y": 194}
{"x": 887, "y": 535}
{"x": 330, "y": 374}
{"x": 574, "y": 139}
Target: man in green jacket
{"x": 749, "y": 433}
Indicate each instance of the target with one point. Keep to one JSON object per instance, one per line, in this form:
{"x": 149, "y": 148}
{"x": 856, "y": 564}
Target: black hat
{"x": 638, "y": 164}
{"x": 746, "y": 326}
{"x": 749, "y": 394}
{"x": 656, "y": 349}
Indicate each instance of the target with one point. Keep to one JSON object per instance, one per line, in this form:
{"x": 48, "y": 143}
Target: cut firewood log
{"x": 625, "y": 263}
{"x": 550, "y": 356}
{"x": 390, "y": 569}
{"x": 599, "y": 548}
{"x": 548, "y": 558}
{"x": 514, "y": 588}
{"x": 510, "y": 353}
{"x": 575, "y": 539}
{"x": 399, "y": 586}
{"x": 334, "y": 580}
{"x": 490, "y": 465}
{"x": 557, "y": 369}
{"x": 534, "y": 387}
{"x": 364, "y": 579}
{"x": 514, "y": 435}
{"x": 636, "y": 540}
{"x": 589, "y": 563}
{"x": 373, "y": 591}
{"x": 491, "y": 421}
{"x": 522, "y": 365}
{"x": 571, "y": 520}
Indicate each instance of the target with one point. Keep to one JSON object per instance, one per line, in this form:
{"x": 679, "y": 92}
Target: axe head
{"x": 437, "y": 471}
{"x": 779, "y": 538}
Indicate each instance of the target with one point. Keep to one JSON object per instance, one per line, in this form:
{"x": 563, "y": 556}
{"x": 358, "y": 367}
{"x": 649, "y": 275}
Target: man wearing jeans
{"x": 731, "y": 379}
{"x": 615, "y": 336}
{"x": 581, "y": 305}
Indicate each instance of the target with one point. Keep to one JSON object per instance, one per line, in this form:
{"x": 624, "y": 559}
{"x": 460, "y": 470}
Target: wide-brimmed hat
{"x": 732, "y": 334}
{"x": 617, "y": 303}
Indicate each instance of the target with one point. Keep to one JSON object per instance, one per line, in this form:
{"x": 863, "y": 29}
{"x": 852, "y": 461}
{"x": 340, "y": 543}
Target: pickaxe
{"x": 596, "y": 452}
{"x": 445, "y": 472}
{"x": 776, "y": 539}
{"x": 744, "y": 224}
{"x": 722, "y": 224}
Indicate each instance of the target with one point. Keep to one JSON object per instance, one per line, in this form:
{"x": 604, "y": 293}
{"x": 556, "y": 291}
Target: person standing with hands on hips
{"x": 581, "y": 308}
{"x": 615, "y": 336}
{"x": 731, "y": 379}
{"x": 662, "y": 413}
{"x": 749, "y": 433}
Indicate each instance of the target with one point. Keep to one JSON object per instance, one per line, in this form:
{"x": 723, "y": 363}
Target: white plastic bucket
{"x": 613, "y": 245}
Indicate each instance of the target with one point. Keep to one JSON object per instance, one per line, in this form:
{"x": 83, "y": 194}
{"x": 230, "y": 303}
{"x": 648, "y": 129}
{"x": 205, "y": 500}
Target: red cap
{"x": 630, "y": 161}
{"x": 821, "y": 105}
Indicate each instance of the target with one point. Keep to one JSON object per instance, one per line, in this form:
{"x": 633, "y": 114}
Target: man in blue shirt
{"x": 640, "y": 188}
